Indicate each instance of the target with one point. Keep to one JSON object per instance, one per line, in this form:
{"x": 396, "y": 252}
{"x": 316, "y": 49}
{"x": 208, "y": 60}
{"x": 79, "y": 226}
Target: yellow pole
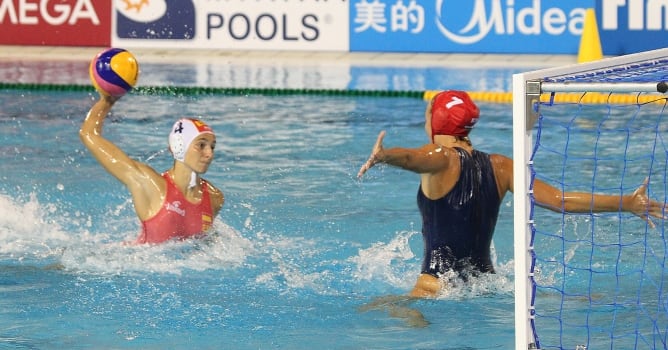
{"x": 590, "y": 42}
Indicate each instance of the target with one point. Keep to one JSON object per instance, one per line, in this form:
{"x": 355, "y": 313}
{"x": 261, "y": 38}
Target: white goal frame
{"x": 527, "y": 89}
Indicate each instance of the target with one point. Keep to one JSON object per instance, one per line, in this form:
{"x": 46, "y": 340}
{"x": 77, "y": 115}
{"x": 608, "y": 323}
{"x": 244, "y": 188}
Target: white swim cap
{"x": 183, "y": 133}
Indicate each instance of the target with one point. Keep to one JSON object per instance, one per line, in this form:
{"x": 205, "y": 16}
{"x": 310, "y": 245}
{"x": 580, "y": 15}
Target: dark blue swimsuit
{"x": 457, "y": 229}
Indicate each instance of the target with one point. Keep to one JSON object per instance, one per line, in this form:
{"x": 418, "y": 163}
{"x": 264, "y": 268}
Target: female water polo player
{"x": 176, "y": 204}
{"x": 461, "y": 190}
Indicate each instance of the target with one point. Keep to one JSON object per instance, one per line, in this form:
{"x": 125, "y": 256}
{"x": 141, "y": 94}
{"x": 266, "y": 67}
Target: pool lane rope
{"x": 479, "y": 96}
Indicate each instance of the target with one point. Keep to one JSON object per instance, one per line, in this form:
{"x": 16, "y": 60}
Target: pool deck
{"x": 26, "y": 53}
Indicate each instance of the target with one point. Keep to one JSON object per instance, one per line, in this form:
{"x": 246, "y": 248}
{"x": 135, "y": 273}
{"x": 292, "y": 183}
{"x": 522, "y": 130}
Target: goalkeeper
{"x": 461, "y": 191}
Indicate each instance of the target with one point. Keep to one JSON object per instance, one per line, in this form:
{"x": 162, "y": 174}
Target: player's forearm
{"x": 578, "y": 202}
{"x": 399, "y": 157}
{"x": 92, "y": 125}
{"x": 391, "y": 156}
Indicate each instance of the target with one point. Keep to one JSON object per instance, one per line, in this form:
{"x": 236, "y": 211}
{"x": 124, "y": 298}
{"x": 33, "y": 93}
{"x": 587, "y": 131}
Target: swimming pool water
{"x": 300, "y": 245}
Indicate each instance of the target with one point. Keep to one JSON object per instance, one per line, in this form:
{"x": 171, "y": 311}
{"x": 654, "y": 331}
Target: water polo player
{"x": 461, "y": 190}
{"x": 176, "y": 204}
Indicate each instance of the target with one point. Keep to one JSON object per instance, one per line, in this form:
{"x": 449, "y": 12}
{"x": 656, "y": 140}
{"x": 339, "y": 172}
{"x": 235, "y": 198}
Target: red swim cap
{"x": 453, "y": 113}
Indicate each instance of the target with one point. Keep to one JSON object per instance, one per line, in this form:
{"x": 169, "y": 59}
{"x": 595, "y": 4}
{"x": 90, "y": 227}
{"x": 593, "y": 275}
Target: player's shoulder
{"x": 213, "y": 190}
{"x": 499, "y": 160}
{"x": 216, "y": 196}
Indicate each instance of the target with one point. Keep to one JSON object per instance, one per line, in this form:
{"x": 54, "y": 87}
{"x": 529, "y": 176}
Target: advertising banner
{"x": 432, "y": 26}
{"x": 630, "y": 26}
{"x": 55, "y": 22}
{"x": 232, "y": 24}
{"x": 475, "y": 26}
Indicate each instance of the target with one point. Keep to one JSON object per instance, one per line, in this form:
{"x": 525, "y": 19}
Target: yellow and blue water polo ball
{"x": 114, "y": 72}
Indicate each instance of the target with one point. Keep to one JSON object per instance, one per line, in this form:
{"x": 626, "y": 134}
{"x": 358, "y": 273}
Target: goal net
{"x": 591, "y": 280}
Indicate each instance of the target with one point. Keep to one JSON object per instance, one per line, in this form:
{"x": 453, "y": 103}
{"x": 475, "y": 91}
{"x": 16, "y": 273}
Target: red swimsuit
{"x": 178, "y": 218}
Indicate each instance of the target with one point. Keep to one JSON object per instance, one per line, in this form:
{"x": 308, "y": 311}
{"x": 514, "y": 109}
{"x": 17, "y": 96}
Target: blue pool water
{"x": 300, "y": 245}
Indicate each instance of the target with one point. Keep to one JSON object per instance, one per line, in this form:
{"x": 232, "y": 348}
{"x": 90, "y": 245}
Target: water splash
{"x": 453, "y": 287}
{"x": 388, "y": 262}
{"x": 394, "y": 263}
{"x": 37, "y": 233}
{"x": 27, "y": 231}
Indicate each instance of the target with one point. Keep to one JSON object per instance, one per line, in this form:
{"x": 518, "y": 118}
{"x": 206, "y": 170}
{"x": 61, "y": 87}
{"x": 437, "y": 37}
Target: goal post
{"x": 590, "y": 280}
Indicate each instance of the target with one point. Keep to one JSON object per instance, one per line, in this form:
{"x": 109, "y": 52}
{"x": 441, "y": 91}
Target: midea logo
{"x": 503, "y": 18}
